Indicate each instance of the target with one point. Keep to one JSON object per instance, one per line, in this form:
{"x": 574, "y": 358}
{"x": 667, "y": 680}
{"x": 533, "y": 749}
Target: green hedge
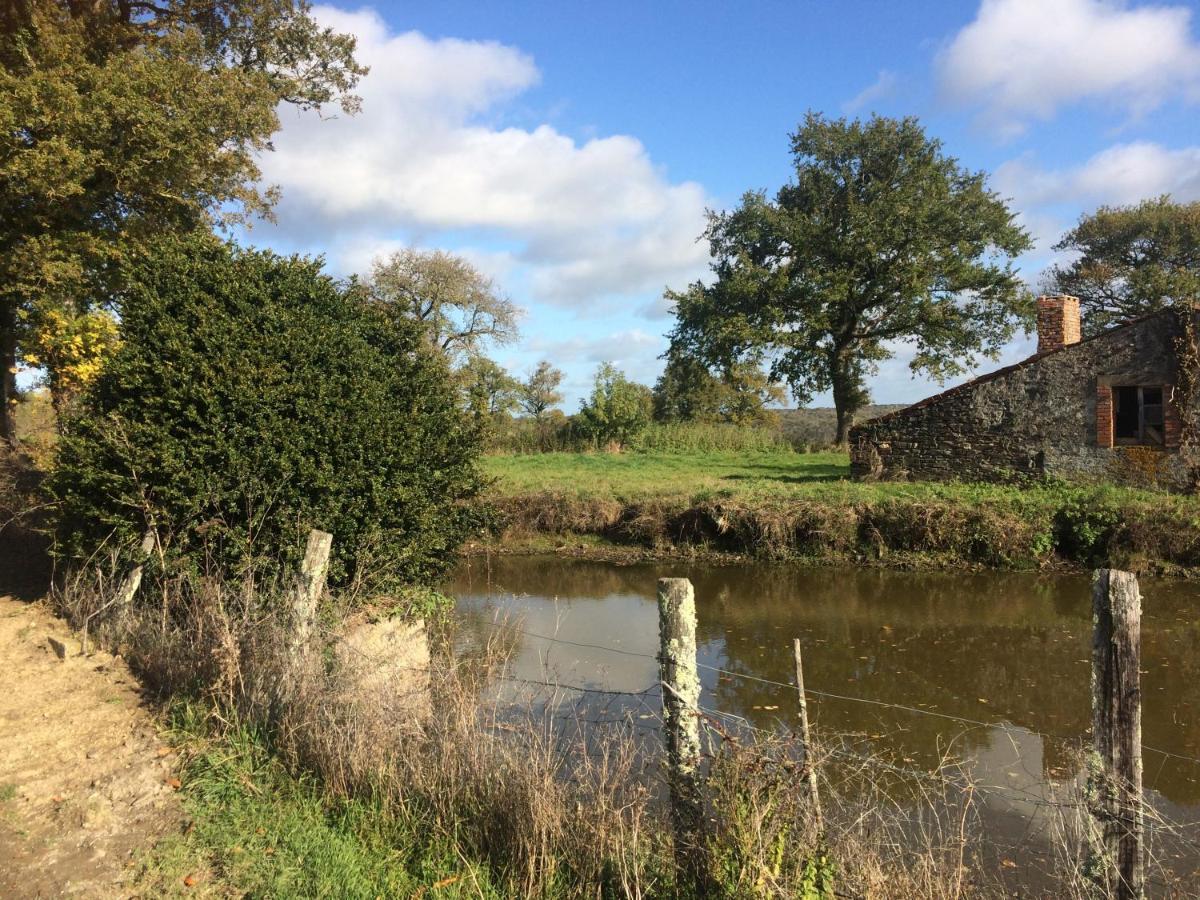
{"x": 252, "y": 399}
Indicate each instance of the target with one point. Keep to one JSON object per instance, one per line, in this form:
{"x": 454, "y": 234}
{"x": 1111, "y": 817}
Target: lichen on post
{"x": 681, "y": 724}
{"x": 1115, "y": 776}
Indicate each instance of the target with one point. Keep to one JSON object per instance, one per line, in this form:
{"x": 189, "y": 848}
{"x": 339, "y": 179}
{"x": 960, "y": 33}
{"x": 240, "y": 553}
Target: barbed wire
{"x": 1040, "y": 805}
{"x": 965, "y": 720}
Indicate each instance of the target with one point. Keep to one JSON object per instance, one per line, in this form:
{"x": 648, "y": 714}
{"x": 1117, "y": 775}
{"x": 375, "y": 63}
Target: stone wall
{"x": 1037, "y": 418}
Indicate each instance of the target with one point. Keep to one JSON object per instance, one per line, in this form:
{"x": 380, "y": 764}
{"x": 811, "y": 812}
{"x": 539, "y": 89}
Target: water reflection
{"x": 995, "y": 647}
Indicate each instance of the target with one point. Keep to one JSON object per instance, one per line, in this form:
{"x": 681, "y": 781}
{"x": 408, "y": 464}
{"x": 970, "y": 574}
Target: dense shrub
{"x": 618, "y": 409}
{"x": 561, "y": 433}
{"x": 698, "y": 437}
{"x": 253, "y": 399}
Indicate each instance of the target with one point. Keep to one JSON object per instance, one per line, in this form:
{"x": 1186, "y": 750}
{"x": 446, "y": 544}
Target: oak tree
{"x": 458, "y": 307}
{"x": 126, "y": 119}
{"x": 880, "y": 238}
{"x": 1131, "y": 260}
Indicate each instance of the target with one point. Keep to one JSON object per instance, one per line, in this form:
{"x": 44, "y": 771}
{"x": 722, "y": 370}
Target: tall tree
{"x": 539, "y": 392}
{"x": 618, "y": 409}
{"x": 459, "y": 307}
{"x": 490, "y": 390}
{"x": 880, "y": 238}
{"x": 1131, "y": 260}
{"x": 688, "y": 391}
{"x": 124, "y": 119}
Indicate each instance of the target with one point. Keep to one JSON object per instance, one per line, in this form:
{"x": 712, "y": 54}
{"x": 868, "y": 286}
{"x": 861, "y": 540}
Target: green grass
{"x": 770, "y": 475}
{"x": 783, "y": 504}
{"x": 639, "y": 476}
{"x": 257, "y": 831}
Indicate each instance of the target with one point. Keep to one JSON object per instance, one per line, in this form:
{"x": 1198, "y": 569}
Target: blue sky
{"x": 571, "y": 149}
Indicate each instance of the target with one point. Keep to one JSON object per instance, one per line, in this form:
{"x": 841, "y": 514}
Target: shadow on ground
{"x": 834, "y": 474}
{"x": 25, "y": 566}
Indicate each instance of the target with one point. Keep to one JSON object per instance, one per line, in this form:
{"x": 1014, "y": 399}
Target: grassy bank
{"x": 785, "y": 505}
{"x": 257, "y": 829}
{"x": 496, "y": 798}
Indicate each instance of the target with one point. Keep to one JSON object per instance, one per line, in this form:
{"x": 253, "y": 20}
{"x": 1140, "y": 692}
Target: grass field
{"x": 638, "y": 476}
{"x": 783, "y": 504}
{"x": 772, "y": 475}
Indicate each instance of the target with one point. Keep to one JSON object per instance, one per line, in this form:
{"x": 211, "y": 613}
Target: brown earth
{"x": 85, "y": 778}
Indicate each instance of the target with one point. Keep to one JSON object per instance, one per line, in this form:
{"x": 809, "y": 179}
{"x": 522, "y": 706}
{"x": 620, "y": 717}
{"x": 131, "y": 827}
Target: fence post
{"x": 126, "y": 591}
{"x": 806, "y": 735}
{"x": 133, "y": 579}
{"x": 681, "y": 723}
{"x": 310, "y": 582}
{"x": 1116, "y": 777}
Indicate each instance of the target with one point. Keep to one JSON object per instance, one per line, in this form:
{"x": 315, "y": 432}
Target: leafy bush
{"x": 697, "y": 437}
{"x": 1085, "y": 524}
{"x": 253, "y": 399}
{"x": 618, "y": 410}
{"x": 562, "y": 434}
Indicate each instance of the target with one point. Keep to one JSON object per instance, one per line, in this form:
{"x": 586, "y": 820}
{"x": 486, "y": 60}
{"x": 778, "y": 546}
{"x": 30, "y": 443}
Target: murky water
{"x": 1009, "y": 650}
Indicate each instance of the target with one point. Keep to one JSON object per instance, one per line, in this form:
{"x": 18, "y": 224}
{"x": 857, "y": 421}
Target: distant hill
{"x": 817, "y": 426}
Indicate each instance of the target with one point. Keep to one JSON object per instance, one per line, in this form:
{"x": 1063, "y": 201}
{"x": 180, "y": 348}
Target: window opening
{"x": 1138, "y": 416}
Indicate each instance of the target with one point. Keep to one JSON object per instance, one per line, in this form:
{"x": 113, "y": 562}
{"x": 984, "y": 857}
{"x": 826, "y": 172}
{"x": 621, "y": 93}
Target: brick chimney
{"x": 1057, "y": 322}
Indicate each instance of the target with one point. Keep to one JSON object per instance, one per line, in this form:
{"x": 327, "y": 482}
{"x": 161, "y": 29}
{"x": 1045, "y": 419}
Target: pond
{"x": 1009, "y": 653}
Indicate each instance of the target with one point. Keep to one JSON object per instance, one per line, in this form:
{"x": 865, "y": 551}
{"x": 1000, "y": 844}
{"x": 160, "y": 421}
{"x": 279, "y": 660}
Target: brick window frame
{"x": 1105, "y": 418}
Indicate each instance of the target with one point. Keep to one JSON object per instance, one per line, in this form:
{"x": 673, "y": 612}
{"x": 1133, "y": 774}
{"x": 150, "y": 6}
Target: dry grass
{"x": 539, "y": 796}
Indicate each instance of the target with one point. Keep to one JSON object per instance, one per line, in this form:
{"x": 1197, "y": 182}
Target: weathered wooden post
{"x": 133, "y": 579}
{"x": 306, "y": 593}
{"x": 1116, "y": 769}
{"x": 126, "y": 591}
{"x": 681, "y": 723}
{"x": 806, "y": 735}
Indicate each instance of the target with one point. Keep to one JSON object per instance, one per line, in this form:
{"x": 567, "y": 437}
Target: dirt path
{"x": 84, "y": 776}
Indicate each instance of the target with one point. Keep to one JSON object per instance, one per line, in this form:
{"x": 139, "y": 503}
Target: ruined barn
{"x": 1110, "y": 406}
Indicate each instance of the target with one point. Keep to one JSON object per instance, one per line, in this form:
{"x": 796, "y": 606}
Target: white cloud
{"x": 625, "y": 349}
{"x": 634, "y": 352}
{"x": 880, "y": 89}
{"x": 1024, "y": 59}
{"x": 425, "y": 156}
{"x": 1121, "y": 174}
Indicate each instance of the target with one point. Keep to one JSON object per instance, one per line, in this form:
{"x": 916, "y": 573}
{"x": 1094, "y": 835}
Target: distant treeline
{"x": 817, "y": 426}
{"x": 802, "y": 430}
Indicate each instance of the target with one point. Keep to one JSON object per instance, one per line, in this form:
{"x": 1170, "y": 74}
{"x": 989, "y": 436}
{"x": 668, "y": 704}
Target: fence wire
{"x": 1042, "y": 801}
{"x": 829, "y": 695}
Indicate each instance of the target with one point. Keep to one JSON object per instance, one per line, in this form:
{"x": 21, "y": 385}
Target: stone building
{"x": 1097, "y": 407}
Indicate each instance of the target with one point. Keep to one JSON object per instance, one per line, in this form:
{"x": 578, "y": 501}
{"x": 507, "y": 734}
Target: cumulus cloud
{"x": 628, "y": 350}
{"x": 879, "y": 89}
{"x": 1118, "y": 175}
{"x": 633, "y": 351}
{"x": 1024, "y": 59}
{"x": 429, "y": 155}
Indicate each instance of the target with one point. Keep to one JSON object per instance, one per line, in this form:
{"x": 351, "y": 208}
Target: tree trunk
{"x": 845, "y": 421}
{"x": 8, "y": 375}
{"x": 847, "y": 395}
